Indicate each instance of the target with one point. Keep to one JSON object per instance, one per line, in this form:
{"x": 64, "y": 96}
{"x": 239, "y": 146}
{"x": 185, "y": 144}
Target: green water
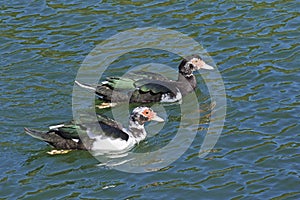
{"x": 255, "y": 46}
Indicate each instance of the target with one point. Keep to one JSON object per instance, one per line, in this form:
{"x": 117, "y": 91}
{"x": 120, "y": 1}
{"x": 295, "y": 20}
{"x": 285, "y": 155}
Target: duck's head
{"x": 141, "y": 115}
{"x": 192, "y": 63}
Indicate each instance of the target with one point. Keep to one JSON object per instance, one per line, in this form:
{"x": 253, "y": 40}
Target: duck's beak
{"x": 157, "y": 118}
{"x": 200, "y": 64}
{"x": 206, "y": 66}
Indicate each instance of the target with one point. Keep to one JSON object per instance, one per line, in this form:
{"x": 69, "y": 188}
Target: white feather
{"x": 166, "y": 98}
{"x": 56, "y": 126}
{"x": 75, "y": 140}
{"x": 85, "y": 86}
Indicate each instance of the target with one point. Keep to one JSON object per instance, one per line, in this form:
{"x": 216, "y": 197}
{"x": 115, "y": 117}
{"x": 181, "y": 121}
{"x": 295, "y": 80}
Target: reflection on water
{"x": 255, "y": 46}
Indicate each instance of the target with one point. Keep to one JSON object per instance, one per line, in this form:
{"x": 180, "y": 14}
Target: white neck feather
{"x": 137, "y": 131}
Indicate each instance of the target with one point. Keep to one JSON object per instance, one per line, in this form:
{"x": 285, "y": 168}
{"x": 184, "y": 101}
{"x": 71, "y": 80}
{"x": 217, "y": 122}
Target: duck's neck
{"x": 186, "y": 83}
{"x": 137, "y": 131}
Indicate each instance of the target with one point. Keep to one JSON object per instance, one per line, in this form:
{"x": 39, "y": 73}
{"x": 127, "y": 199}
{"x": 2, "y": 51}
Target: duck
{"x": 148, "y": 87}
{"x": 113, "y": 138}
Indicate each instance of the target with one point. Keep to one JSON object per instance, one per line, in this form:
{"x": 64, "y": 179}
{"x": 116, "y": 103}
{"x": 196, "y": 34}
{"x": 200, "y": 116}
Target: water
{"x": 256, "y": 48}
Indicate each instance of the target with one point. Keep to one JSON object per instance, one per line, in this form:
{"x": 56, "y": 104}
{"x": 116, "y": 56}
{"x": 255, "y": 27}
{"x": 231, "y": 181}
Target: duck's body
{"x": 145, "y": 87}
{"x": 112, "y": 138}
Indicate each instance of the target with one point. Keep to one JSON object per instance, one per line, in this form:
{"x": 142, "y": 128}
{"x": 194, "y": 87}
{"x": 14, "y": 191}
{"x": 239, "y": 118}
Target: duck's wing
{"x": 112, "y": 128}
{"x": 118, "y": 83}
{"x": 90, "y": 128}
{"x": 128, "y": 80}
{"x": 69, "y": 130}
{"x": 117, "y": 87}
{"x": 156, "y": 91}
{"x": 139, "y": 91}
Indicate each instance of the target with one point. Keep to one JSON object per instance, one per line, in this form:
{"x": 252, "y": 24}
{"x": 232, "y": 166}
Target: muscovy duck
{"x": 71, "y": 136}
{"x": 146, "y": 87}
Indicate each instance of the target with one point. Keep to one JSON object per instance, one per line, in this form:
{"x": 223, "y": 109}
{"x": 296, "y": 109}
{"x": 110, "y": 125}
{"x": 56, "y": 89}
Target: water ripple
{"x": 256, "y": 48}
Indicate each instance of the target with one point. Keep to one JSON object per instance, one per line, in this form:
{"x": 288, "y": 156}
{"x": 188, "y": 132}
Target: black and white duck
{"x": 146, "y": 87}
{"x": 114, "y": 136}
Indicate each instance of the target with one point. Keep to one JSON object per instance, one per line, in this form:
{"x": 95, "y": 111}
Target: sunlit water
{"x": 255, "y": 47}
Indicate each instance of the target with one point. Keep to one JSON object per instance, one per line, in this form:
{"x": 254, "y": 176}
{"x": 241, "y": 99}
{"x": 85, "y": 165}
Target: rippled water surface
{"x": 255, "y": 46}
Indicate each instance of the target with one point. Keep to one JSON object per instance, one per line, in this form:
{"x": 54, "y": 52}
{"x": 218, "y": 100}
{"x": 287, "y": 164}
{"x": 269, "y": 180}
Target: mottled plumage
{"x": 113, "y": 136}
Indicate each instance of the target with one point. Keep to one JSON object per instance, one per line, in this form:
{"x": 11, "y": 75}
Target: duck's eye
{"x": 147, "y": 112}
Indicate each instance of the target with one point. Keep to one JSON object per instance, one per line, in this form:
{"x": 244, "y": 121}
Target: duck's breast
{"x": 104, "y": 143}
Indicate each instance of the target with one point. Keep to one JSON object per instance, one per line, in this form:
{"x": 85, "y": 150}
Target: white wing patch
{"x": 167, "y": 98}
{"x": 56, "y": 126}
{"x": 75, "y": 140}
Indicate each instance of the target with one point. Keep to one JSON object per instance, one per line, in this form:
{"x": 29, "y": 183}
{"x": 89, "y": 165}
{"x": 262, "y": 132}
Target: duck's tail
{"x": 36, "y": 134}
{"x": 50, "y": 136}
{"x": 86, "y": 86}
{"x": 55, "y": 140}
